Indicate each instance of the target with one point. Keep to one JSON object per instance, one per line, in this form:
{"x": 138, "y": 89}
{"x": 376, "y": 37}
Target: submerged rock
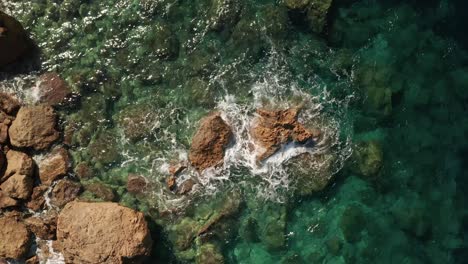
{"x": 14, "y": 42}
{"x": 164, "y": 42}
{"x": 34, "y": 127}
{"x": 210, "y": 142}
{"x": 102, "y": 233}
{"x": 54, "y": 166}
{"x": 136, "y": 184}
{"x": 224, "y": 14}
{"x": 274, "y": 128}
{"x": 209, "y": 254}
{"x": 137, "y": 121}
{"x": 53, "y": 90}
{"x": 317, "y": 14}
{"x": 368, "y": 159}
{"x": 15, "y": 239}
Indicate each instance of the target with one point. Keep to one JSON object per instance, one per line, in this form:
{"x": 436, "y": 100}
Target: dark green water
{"x": 389, "y": 77}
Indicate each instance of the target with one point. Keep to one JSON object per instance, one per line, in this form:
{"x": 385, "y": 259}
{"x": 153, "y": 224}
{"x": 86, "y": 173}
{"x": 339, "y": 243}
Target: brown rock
{"x": 18, "y": 186}
{"x": 8, "y": 103}
{"x": 34, "y": 127}
{"x": 64, "y": 192}
{"x": 105, "y": 233}
{"x": 53, "y": 90}
{"x": 272, "y": 129}
{"x": 15, "y": 238}
{"x": 101, "y": 191}
{"x": 136, "y": 184}
{"x": 54, "y": 166}
{"x": 2, "y": 163}
{"x": 6, "y": 201}
{"x": 210, "y": 142}
{"x": 5, "y": 122}
{"x": 18, "y": 163}
{"x": 43, "y": 227}
{"x": 186, "y": 186}
{"x": 171, "y": 183}
{"x": 175, "y": 169}
{"x": 14, "y": 42}
{"x": 37, "y": 200}
{"x": 83, "y": 171}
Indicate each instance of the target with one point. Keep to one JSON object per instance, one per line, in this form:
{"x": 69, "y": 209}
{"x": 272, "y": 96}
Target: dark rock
{"x": 164, "y": 42}
{"x": 14, "y": 42}
{"x": 34, "y": 127}
{"x": 367, "y": 159}
{"x": 224, "y": 14}
{"x": 352, "y": 223}
{"x": 136, "y": 184}
{"x": 64, "y": 192}
{"x": 210, "y": 142}
{"x": 43, "y": 227}
{"x": 104, "y": 148}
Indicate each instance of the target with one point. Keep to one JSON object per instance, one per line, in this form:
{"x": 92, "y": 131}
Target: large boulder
{"x": 274, "y": 128}
{"x": 102, "y": 233}
{"x": 34, "y": 127}
{"x": 210, "y": 142}
{"x": 15, "y": 239}
{"x": 13, "y": 40}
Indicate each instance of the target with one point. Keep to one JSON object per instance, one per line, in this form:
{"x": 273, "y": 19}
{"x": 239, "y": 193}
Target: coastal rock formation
{"x": 13, "y": 40}
{"x": 15, "y": 238}
{"x": 34, "y": 127}
{"x": 53, "y": 90}
{"x": 54, "y": 166}
{"x": 210, "y": 142}
{"x": 102, "y": 233}
{"x": 274, "y": 128}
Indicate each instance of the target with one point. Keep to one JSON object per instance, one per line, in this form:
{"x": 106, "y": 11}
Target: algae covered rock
{"x": 316, "y": 11}
{"x": 224, "y": 14}
{"x": 138, "y": 121}
{"x": 352, "y": 222}
{"x": 14, "y": 42}
{"x": 102, "y": 233}
{"x": 15, "y": 239}
{"x": 367, "y": 159}
{"x": 163, "y": 42}
{"x": 104, "y": 148}
{"x": 209, "y": 254}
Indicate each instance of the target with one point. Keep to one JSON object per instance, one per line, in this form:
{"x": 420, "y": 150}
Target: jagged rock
{"x": 101, "y": 191}
{"x": 6, "y": 201}
{"x": 15, "y": 239}
{"x": 43, "y": 227}
{"x": 136, "y": 184}
{"x": 273, "y": 129}
{"x": 210, "y": 142}
{"x": 5, "y": 122}
{"x": 14, "y": 42}
{"x": 367, "y": 159}
{"x": 34, "y": 127}
{"x": 18, "y": 186}
{"x": 53, "y": 90}
{"x": 37, "y": 200}
{"x": 64, "y": 192}
{"x": 104, "y": 233}
{"x": 18, "y": 163}
{"x": 54, "y": 166}
{"x": 8, "y": 103}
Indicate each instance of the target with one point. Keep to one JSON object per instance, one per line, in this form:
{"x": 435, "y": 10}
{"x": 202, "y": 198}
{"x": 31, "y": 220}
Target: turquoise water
{"x": 386, "y": 80}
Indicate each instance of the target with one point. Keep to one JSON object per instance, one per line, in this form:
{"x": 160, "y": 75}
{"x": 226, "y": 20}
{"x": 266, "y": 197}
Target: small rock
{"x": 43, "y": 228}
{"x": 9, "y": 104}
{"x": 18, "y": 186}
{"x": 64, "y": 192}
{"x": 210, "y": 142}
{"x": 105, "y": 233}
{"x": 136, "y": 184}
{"x": 53, "y": 90}
{"x": 54, "y": 166}
{"x": 101, "y": 191}
{"x": 83, "y": 171}
{"x": 209, "y": 254}
{"x": 34, "y": 127}
{"x": 15, "y": 239}
{"x": 367, "y": 159}
{"x": 14, "y": 42}
{"x": 171, "y": 183}
{"x": 175, "y": 169}
{"x": 37, "y": 200}
{"x": 6, "y": 201}
{"x": 185, "y": 187}
{"x": 18, "y": 163}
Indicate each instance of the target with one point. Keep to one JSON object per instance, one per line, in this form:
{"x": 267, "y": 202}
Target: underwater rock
{"x": 34, "y": 127}
{"x": 297, "y": 4}
{"x": 54, "y": 166}
{"x": 14, "y": 42}
{"x": 37, "y": 200}
{"x": 367, "y": 159}
{"x": 209, "y": 254}
{"x": 64, "y": 192}
{"x": 273, "y": 226}
{"x": 101, "y": 191}
{"x": 183, "y": 233}
{"x": 17, "y": 163}
{"x": 104, "y": 233}
{"x": 6, "y": 201}
{"x": 18, "y": 186}
{"x": 352, "y": 222}
{"x": 137, "y": 121}
{"x": 276, "y": 22}
{"x": 224, "y": 14}
{"x": 317, "y": 14}
{"x": 136, "y": 184}
{"x": 53, "y": 90}
{"x": 9, "y": 104}
{"x": 15, "y": 239}
{"x": 104, "y": 148}
{"x": 83, "y": 171}
{"x": 210, "y": 142}
{"x": 44, "y": 227}
{"x": 164, "y": 42}
{"x": 334, "y": 245}
{"x": 379, "y": 99}
{"x": 274, "y": 128}
{"x": 185, "y": 187}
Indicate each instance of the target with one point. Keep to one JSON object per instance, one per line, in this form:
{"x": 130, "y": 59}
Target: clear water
{"x": 391, "y": 72}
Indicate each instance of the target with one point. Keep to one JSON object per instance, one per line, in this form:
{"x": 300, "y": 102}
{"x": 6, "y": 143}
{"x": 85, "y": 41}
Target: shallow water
{"x": 393, "y": 73}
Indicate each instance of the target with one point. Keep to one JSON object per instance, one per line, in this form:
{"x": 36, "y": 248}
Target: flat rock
{"x": 15, "y": 239}
{"x": 104, "y": 233}
{"x": 64, "y": 192}
{"x": 34, "y": 127}
{"x": 210, "y": 142}
{"x": 13, "y": 40}
{"x": 54, "y": 166}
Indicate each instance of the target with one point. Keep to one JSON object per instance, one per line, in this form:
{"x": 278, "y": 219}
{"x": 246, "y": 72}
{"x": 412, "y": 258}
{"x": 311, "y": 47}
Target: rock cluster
{"x": 14, "y": 42}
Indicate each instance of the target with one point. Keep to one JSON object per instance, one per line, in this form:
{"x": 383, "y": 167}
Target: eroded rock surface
{"x": 274, "y": 128}
{"x": 105, "y": 233}
{"x": 15, "y": 238}
{"x": 13, "y": 40}
{"x": 34, "y": 127}
{"x": 210, "y": 142}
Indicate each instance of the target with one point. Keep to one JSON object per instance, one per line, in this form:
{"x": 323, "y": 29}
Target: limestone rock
{"x": 136, "y": 184}
{"x": 6, "y": 201}
{"x": 104, "y": 233}
{"x": 54, "y": 166}
{"x": 18, "y": 163}
{"x": 34, "y": 127}
{"x": 14, "y": 42}
{"x": 37, "y": 200}
{"x": 210, "y": 142}
{"x": 64, "y": 192}
{"x": 15, "y": 239}
{"x": 8, "y": 103}
{"x": 53, "y": 90}
{"x": 18, "y": 186}
{"x": 274, "y": 128}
